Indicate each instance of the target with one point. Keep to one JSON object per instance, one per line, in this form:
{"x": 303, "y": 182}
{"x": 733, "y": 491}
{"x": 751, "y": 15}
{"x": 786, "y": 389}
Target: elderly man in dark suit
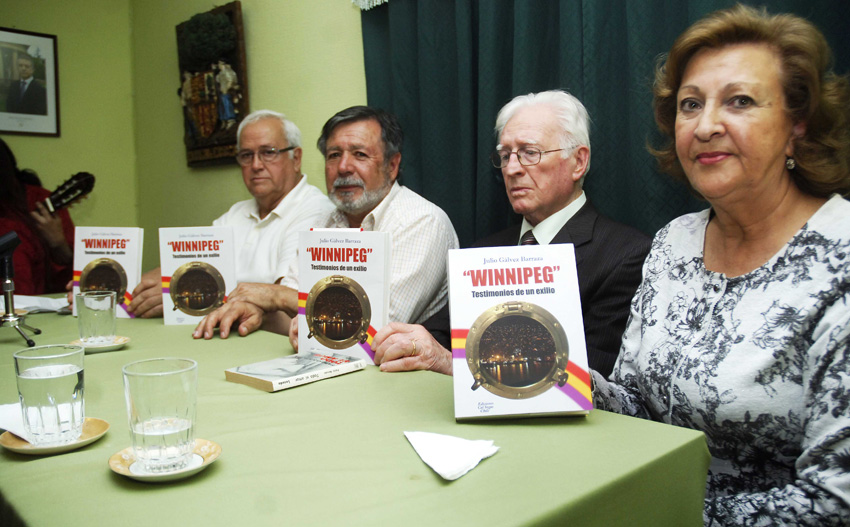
{"x": 544, "y": 154}
{"x": 26, "y": 95}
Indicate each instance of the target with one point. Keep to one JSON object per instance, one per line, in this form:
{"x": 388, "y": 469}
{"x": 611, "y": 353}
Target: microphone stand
{"x": 10, "y": 318}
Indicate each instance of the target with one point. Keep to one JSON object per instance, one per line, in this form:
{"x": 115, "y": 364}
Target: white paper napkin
{"x": 450, "y": 457}
{"x": 11, "y": 419}
{"x": 39, "y": 304}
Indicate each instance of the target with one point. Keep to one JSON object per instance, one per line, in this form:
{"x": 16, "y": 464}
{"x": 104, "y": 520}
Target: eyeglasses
{"x": 526, "y": 156}
{"x": 267, "y": 155}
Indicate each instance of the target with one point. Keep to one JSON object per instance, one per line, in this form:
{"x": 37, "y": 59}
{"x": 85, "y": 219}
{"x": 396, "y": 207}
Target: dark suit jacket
{"x": 609, "y": 259}
{"x": 33, "y": 102}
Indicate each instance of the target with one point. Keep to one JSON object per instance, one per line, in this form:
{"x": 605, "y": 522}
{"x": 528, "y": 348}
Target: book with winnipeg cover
{"x": 343, "y": 290}
{"x": 293, "y": 370}
{"x": 108, "y": 259}
{"x": 518, "y": 347}
{"x": 198, "y": 267}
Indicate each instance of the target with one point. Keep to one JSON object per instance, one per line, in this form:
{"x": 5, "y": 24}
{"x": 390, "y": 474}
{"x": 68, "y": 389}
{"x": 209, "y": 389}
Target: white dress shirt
{"x": 545, "y": 231}
{"x": 422, "y": 235}
{"x": 265, "y": 247}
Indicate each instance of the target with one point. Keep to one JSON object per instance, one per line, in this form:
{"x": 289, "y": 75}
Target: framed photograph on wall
{"x": 29, "y": 83}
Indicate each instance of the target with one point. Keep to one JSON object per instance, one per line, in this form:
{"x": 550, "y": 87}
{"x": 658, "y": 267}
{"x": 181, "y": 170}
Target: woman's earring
{"x": 790, "y": 164}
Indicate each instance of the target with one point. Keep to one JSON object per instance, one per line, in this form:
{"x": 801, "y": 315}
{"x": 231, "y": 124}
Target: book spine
{"x": 247, "y": 380}
{"x": 319, "y": 375}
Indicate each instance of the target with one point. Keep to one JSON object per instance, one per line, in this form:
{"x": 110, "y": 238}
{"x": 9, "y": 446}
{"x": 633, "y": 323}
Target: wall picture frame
{"x": 29, "y": 83}
{"x": 213, "y": 89}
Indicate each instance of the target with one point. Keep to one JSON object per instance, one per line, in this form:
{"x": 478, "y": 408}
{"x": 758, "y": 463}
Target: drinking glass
{"x": 161, "y": 396}
{"x": 50, "y": 387}
{"x": 96, "y": 317}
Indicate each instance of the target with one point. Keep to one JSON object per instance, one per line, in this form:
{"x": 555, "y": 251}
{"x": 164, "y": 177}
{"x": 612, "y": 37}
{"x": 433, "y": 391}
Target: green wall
{"x": 305, "y": 59}
{"x": 95, "y": 104}
{"x": 121, "y": 117}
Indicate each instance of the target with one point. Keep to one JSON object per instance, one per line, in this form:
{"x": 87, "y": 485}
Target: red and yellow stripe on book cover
{"x": 302, "y": 303}
{"x": 367, "y": 346}
{"x": 576, "y": 388}
{"x": 123, "y": 302}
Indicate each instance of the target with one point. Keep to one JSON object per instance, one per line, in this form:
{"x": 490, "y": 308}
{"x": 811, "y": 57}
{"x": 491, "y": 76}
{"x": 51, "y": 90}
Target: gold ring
{"x": 413, "y": 341}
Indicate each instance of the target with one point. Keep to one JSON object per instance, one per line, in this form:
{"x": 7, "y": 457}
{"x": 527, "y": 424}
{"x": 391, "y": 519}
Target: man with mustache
{"x": 544, "y": 154}
{"x": 362, "y": 149}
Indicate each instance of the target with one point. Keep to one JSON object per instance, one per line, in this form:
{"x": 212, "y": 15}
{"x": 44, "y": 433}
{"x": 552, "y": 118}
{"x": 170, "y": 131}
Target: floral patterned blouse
{"x": 760, "y": 363}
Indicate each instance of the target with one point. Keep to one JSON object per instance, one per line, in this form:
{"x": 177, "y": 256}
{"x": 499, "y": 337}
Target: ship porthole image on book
{"x": 104, "y": 274}
{"x": 517, "y": 350}
{"x": 338, "y": 312}
{"x": 197, "y": 288}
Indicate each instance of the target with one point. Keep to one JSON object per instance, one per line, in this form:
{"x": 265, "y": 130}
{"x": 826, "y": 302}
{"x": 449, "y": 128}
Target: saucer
{"x": 205, "y": 453}
{"x": 93, "y": 429}
{"x": 116, "y": 344}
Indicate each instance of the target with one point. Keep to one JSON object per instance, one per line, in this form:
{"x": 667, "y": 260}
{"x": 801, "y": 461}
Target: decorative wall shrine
{"x": 213, "y": 89}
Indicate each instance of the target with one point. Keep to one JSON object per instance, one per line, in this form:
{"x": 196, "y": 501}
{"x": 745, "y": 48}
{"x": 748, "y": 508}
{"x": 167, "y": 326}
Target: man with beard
{"x": 362, "y": 149}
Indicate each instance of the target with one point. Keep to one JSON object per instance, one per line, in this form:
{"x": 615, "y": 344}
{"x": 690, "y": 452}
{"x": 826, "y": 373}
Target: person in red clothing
{"x": 43, "y": 262}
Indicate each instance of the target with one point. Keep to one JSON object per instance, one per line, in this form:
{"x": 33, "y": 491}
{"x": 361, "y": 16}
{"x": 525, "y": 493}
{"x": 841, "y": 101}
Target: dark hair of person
{"x": 13, "y": 196}
{"x": 814, "y": 95}
{"x": 391, "y": 133}
{"x": 27, "y": 176}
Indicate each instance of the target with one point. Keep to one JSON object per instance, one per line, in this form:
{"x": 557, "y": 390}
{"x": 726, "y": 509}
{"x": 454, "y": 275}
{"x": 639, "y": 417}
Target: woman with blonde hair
{"x": 741, "y": 325}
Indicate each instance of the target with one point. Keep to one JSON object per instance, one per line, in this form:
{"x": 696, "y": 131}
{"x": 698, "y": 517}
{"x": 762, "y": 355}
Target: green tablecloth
{"x": 333, "y": 452}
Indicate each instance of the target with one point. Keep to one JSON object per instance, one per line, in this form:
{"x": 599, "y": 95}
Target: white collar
{"x": 545, "y": 231}
{"x": 374, "y": 216}
{"x": 380, "y": 210}
{"x": 254, "y": 211}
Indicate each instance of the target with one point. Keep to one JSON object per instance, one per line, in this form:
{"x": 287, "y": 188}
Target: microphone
{"x": 8, "y": 243}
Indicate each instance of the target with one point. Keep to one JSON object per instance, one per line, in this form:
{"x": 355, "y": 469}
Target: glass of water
{"x": 50, "y": 387}
{"x": 96, "y": 317}
{"x": 160, "y": 396}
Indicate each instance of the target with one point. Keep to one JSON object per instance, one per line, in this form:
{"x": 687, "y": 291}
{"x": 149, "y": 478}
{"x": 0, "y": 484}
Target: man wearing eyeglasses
{"x": 266, "y": 226}
{"x": 362, "y": 150}
{"x": 544, "y": 154}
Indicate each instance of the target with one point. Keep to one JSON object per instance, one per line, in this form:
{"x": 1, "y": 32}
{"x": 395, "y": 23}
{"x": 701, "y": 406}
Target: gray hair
{"x": 569, "y": 112}
{"x": 391, "y": 133}
{"x": 290, "y": 131}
